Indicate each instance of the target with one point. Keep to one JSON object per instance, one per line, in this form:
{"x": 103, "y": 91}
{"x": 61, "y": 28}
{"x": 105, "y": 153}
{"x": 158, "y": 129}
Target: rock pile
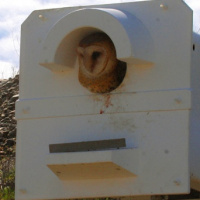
{"x": 9, "y": 93}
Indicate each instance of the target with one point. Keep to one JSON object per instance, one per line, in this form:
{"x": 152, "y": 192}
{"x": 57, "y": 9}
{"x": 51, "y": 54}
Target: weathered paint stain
{"x": 101, "y": 111}
{"x": 108, "y": 101}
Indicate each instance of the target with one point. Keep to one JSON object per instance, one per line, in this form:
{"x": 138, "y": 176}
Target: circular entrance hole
{"x": 99, "y": 69}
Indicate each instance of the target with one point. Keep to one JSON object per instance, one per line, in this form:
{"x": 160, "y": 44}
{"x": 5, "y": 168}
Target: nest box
{"x": 105, "y": 101}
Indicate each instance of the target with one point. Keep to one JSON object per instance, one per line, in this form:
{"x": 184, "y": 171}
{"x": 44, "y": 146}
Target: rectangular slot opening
{"x": 87, "y": 146}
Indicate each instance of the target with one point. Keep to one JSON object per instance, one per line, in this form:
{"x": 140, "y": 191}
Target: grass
{"x": 7, "y": 178}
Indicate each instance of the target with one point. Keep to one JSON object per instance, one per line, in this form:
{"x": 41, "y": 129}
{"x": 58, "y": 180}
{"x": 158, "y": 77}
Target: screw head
{"x": 41, "y": 17}
{"x": 163, "y": 6}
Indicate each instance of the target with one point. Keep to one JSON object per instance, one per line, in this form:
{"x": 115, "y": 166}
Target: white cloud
{"x": 7, "y": 70}
{"x": 12, "y": 15}
{"x": 7, "y": 46}
{"x": 195, "y": 6}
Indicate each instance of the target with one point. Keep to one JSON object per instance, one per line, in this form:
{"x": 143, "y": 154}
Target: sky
{"x": 14, "y": 12}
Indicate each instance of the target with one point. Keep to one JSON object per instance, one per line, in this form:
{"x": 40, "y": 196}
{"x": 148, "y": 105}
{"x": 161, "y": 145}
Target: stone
{"x": 12, "y": 134}
{"x": 10, "y": 142}
{"x": 9, "y": 94}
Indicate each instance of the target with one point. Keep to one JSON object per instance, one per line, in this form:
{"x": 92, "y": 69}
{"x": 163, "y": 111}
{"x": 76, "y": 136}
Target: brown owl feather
{"x": 99, "y": 70}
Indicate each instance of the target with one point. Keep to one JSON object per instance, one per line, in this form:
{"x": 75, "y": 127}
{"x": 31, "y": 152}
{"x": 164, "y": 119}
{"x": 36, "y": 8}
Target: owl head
{"x": 97, "y": 63}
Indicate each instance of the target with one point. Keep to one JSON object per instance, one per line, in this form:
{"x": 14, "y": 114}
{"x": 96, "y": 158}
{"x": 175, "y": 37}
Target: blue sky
{"x": 13, "y": 13}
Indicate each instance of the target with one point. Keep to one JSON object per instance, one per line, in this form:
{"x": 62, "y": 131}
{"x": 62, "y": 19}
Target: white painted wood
{"x": 104, "y": 104}
{"x": 151, "y": 109}
{"x": 158, "y": 143}
{"x": 195, "y": 116}
{"x": 165, "y": 30}
{"x": 85, "y": 165}
{"x": 128, "y": 41}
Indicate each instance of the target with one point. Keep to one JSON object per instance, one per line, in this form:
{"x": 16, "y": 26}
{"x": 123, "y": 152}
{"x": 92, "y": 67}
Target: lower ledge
{"x": 94, "y": 164}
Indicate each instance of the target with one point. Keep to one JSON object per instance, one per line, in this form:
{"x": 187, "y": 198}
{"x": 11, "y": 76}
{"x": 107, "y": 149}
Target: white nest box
{"x": 75, "y": 140}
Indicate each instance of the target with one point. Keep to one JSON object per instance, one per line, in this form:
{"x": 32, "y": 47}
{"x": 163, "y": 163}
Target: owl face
{"x": 96, "y": 55}
{"x": 93, "y": 59}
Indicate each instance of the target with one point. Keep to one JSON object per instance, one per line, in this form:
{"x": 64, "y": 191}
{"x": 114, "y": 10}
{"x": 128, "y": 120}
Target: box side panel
{"x": 195, "y": 115}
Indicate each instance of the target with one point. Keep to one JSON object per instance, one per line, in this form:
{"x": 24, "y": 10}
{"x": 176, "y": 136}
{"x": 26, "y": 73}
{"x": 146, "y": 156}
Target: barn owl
{"x": 99, "y": 69}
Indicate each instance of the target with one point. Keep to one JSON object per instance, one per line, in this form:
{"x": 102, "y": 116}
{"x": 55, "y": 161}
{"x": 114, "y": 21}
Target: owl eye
{"x": 95, "y": 55}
